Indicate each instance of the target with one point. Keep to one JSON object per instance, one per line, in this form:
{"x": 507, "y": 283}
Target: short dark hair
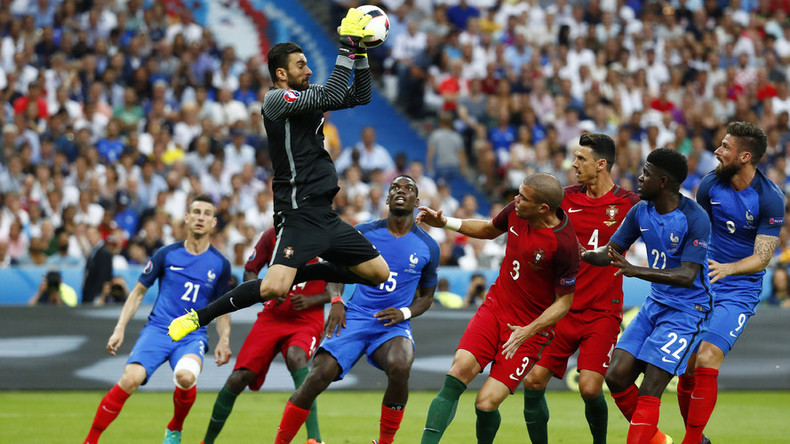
{"x": 751, "y": 138}
{"x": 202, "y": 198}
{"x": 278, "y": 57}
{"x": 548, "y": 189}
{"x": 406, "y": 176}
{"x": 602, "y": 147}
{"x": 670, "y": 162}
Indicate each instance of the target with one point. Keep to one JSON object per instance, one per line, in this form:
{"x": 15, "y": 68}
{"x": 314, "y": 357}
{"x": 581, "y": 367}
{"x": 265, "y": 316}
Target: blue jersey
{"x": 413, "y": 261}
{"x": 737, "y": 217}
{"x": 682, "y": 235}
{"x": 185, "y": 281}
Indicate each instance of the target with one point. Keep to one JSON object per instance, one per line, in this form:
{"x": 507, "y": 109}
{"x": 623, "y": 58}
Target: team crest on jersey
{"x": 537, "y": 258}
{"x": 211, "y": 275}
{"x": 148, "y": 267}
{"x": 611, "y": 211}
{"x": 288, "y": 252}
{"x": 674, "y": 240}
{"x": 252, "y": 256}
{"x": 749, "y": 220}
{"x": 291, "y": 96}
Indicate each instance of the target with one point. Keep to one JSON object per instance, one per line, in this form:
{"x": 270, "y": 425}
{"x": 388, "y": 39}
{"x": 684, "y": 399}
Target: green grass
{"x": 352, "y": 417}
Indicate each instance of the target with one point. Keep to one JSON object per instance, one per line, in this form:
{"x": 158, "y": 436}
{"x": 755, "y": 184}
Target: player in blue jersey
{"x": 658, "y": 342}
{"x": 746, "y": 211}
{"x": 191, "y": 274}
{"x": 376, "y": 319}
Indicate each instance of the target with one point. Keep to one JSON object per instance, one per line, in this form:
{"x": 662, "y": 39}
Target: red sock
{"x": 182, "y": 402}
{"x": 644, "y": 423}
{"x": 703, "y": 400}
{"x": 292, "y": 420}
{"x": 109, "y": 408}
{"x": 390, "y": 423}
{"x": 685, "y": 387}
{"x": 626, "y": 401}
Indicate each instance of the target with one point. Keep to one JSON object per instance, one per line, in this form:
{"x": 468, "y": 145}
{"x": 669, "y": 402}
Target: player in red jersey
{"x": 293, "y": 327}
{"x": 533, "y": 291}
{"x": 596, "y": 207}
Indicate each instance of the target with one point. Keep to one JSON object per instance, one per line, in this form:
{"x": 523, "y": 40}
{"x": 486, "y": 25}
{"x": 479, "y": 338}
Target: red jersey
{"x": 595, "y": 221}
{"x": 539, "y": 264}
{"x": 260, "y": 257}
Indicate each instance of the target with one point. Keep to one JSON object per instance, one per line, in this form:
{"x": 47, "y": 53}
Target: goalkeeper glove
{"x": 352, "y": 31}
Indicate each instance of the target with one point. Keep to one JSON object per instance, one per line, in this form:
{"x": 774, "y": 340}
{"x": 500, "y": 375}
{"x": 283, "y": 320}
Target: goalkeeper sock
{"x": 311, "y": 423}
{"x": 329, "y": 272}
{"x": 536, "y": 415}
{"x": 222, "y": 408}
{"x": 487, "y": 425}
{"x": 243, "y": 296}
{"x": 442, "y": 410}
{"x": 597, "y": 414}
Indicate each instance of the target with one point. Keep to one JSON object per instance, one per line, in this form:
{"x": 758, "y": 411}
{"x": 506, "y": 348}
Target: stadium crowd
{"x": 115, "y": 112}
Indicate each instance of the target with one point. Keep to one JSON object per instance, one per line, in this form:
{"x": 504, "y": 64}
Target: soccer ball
{"x": 380, "y": 24}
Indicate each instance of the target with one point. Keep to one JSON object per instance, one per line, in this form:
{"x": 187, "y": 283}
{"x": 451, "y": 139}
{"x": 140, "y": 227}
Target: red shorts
{"x": 593, "y": 333}
{"x": 484, "y": 337}
{"x": 270, "y": 335}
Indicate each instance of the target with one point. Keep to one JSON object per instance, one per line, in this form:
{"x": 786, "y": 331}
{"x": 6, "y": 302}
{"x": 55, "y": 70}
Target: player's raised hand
{"x": 115, "y": 341}
{"x": 431, "y": 217}
{"x": 517, "y": 337}
{"x": 718, "y": 270}
{"x": 390, "y": 315}
{"x": 625, "y": 267}
{"x": 336, "y": 320}
{"x": 352, "y": 31}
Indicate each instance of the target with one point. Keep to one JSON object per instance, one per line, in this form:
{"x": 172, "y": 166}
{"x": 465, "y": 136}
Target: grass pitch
{"x": 352, "y": 417}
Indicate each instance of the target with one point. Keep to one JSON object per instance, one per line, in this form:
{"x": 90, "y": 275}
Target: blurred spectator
{"x": 98, "y": 266}
{"x": 446, "y": 157}
{"x": 53, "y": 291}
{"x": 477, "y": 290}
{"x": 445, "y": 297}
{"x": 61, "y": 258}
{"x": 35, "y": 254}
{"x": 114, "y": 291}
{"x": 372, "y": 156}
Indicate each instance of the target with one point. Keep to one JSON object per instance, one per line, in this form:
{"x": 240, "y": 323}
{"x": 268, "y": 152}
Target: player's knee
{"x": 533, "y": 383}
{"x": 614, "y": 381}
{"x": 486, "y": 404}
{"x": 133, "y": 376}
{"x": 239, "y": 379}
{"x": 589, "y": 392}
{"x": 398, "y": 371}
{"x": 186, "y": 373}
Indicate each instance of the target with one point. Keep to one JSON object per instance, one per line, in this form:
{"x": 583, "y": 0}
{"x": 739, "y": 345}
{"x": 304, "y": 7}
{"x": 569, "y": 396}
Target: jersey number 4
{"x": 191, "y": 289}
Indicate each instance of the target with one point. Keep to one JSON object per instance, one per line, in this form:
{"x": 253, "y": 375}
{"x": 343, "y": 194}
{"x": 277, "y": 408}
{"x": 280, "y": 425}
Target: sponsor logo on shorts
{"x": 291, "y": 96}
{"x": 665, "y": 359}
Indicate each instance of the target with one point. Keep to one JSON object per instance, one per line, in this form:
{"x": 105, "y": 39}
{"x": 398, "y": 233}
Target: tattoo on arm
{"x": 764, "y": 247}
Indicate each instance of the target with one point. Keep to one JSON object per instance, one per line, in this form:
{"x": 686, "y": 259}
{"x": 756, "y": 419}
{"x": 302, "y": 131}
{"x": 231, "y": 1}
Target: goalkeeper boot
{"x": 172, "y": 437}
{"x": 183, "y": 325}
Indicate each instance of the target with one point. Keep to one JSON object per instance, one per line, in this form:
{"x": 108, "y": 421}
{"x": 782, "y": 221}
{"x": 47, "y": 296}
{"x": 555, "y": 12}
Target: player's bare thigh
{"x": 133, "y": 376}
{"x": 278, "y": 280}
{"x": 395, "y": 356}
{"x": 491, "y": 395}
{"x": 465, "y": 366}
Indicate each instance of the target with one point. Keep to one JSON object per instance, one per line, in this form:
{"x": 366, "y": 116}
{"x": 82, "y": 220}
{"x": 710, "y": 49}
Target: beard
{"x": 726, "y": 173}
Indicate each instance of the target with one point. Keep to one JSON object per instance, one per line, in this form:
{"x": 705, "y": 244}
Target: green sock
{"x": 312, "y": 419}
{"x": 487, "y": 425}
{"x": 442, "y": 410}
{"x": 597, "y": 414}
{"x": 222, "y": 408}
{"x": 536, "y": 415}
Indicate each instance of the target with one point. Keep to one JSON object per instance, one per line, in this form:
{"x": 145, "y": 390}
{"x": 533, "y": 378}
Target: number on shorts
{"x": 191, "y": 288}
{"x": 673, "y": 337}
{"x": 741, "y": 322}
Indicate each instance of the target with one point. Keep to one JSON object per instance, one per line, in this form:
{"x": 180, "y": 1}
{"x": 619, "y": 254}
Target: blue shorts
{"x": 362, "y": 335}
{"x": 729, "y": 319}
{"x": 662, "y": 336}
{"x": 154, "y": 347}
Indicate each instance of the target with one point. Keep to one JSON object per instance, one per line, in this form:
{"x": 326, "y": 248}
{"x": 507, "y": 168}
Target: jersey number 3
{"x": 190, "y": 289}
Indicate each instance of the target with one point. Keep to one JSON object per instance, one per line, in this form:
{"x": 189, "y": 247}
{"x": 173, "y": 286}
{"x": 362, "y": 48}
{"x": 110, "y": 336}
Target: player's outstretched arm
{"x": 479, "y": 229}
{"x": 222, "y": 352}
{"x": 600, "y": 256}
{"x": 764, "y": 248}
{"x": 682, "y": 276}
{"x": 129, "y": 309}
{"x": 555, "y": 311}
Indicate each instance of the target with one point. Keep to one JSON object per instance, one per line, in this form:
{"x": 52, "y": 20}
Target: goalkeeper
{"x": 305, "y": 180}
